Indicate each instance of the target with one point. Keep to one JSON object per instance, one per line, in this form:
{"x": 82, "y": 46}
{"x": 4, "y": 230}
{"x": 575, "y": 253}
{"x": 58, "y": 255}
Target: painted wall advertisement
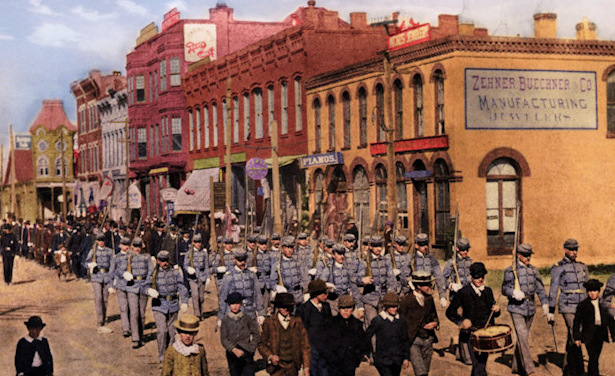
{"x": 530, "y": 99}
{"x": 199, "y": 42}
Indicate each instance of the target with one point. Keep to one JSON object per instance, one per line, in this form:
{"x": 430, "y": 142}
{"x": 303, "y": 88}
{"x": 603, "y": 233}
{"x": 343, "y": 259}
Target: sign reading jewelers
{"x": 530, "y": 99}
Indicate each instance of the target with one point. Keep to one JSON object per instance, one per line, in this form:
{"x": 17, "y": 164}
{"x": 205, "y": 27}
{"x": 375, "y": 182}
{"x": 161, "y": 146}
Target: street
{"x": 68, "y": 310}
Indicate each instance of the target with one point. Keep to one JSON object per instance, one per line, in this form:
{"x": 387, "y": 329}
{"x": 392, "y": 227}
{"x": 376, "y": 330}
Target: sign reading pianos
{"x": 322, "y": 159}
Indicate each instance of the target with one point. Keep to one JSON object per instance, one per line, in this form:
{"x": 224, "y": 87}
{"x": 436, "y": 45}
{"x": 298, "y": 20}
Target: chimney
{"x": 545, "y": 25}
{"x": 358, "y": 20}
{"x": 466, "y": 29}
{"x": 586, "y": 30}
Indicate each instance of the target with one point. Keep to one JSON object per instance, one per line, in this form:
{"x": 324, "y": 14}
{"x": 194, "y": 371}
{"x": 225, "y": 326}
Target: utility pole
{"x": 64, "y": 199}
{"x": 127, "y": 157}
{"x": 275, "y": 172}
{"x": 12, "y": 151}
{"x": 227, "y": 141}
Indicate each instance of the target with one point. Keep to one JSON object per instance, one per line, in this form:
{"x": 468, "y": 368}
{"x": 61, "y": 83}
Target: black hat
{"x": 463, "y": 244}
{"x": 276, "y": 236}
{"x": 478, "y": 270}
{"x": 173, "y": 227}
{"x": 571, "y": 244}
{"x": 284, "y": 299}
{"x": 525, "y": 249}
{"x": 422, "y": 277}
{"x": 234, "y": 298}
{"x": 262, "y": 239}
{"x": 35, "y": 322}
{"x": 390, "y": 299}
{"x": 421, "y": 239}
{"x": 100, "y": 236}
{"x": 163, "y": 256}
{"x": 159, "y": 224}
{"x": 185, "y": 231}
{"x": 317, "y": 287}
{"x": 593, "y": 285}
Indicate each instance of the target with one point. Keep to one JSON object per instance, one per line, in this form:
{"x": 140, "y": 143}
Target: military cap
{"x": 390, "y": 299}
{"x": 227, "y": 240}
{"x": 276, "y": 236}
{"x": 339, "y": 248}
{"x": 571, "y": 244}
{"x": 422, "y": 277}
{"x": 262, "y": 239}
{"x": 525, "y": 249}
{"x": 241, "y": 254}
{"x": 137, "y": 242}
{"x": 187, "y": 323}
{"x": 463, "y": 244}
{"x": 159, "y": 224}
{"x": 35, "y": 322}
{"x": 251, "y": 238}
{"x": 478, "y": 270}
{"x": 350, "y": 237}
{"x": 284, "y": 299}
{"x": 317, "y": 287}
{"x": 376, "y": 241}
{"x": 234, "y": 298}
{"x": 365, "y": 240}
{"x": 100, "y": 236}
{"x": 163, "y": 256}
{"x": 346, "y": 301}
{"x": 329, "y": 243}
{"x": 257, "y": 229}
{"x": 125, "y": 240}
{"x": 421, "y": 239}
{"x": 220, "y": 239}
{"x": 288, "y": 241}
{"x": 198, "y": 238}
{"x": 401, "y": 240}
{"x": 593, "y": 285}
{"x": 302, "y": 235}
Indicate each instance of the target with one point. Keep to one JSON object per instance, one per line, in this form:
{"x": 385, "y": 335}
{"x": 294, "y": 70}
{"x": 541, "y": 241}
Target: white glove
{"x": 518, "y": 295}
{"x": 219, "y": 323}
{"x": 92, "y": 265}
{"x": 260, "y": 320}
{"x": 253, "y": 269}
{"x": 396, "y": 272}
{"x": 183, "y": 307}
{"x": 128, "y": 276}
{"x": 330, "y": 286}
{"x": 443, "y": 302}
{"x": 272, "y": 295}
{"x": 190, "y": 270}
{"x": 550, "y": 317}
{"x": 306, "y": 297}
{"x": 111, "y": 290}
{"x": 455, "y": 287}
{"x": 221, "y": 269}
{"x": 312, "y": 271}
{"x": 153, "y": 259}
{"x": 153, "y": 293}
{"x": 545, "y": 309}
{"x": 280, "y": 289}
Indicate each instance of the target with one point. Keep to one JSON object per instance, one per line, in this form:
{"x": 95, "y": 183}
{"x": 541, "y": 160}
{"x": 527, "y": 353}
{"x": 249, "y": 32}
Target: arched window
{"x": 421, "y": 204}
{"x": 402, "y": 196}
{"x": 197, "y": 127}
{"x": 502, "y": 195}
{"x": 380, "y": 113}
{"x": 331, "y": 105}
{"x": 361, "y": 198}
{"x": 442, "y": 200}
{"x": 346, "y": 108}
{"x": 298, "y": 105}
{"x": 58, "y": 167}
{"x": 191, "y": 125}
{"x": 258, "y": 112}
{"x": 42, "y": 166}
{"x": 610, "y": 103}
{"x": 399, "y": 109}
{"x": 417, "y": 84}
{"x": 381, "y": 195}
{"x": 319, "y": 178}
{"x": 362, "y": 117}
{"x": 317, "y": 125}
{"x": 439, "y": 87}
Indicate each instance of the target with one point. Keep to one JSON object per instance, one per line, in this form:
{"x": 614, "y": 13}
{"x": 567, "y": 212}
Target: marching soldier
{"x": 138, "y": 268}
{"x": 227, "y": 254}
{"x": 304, "y": 250}
{"x": 264, "y": 261}
{"x": 608, "y": 297}
{"x": 521, "y": 305}
{"x": 423, "y": 260}
{"x": 196, "y": 266}
{"x": 568, "y": 276}
{"x": 324, "y": 259}
{"x": 402, "y": 261}
{"x": 251, "y": 247}
{"x": 288, "y": 273}
{"x": 276, "y": 241}
{"x": 119, "y": 265}
{"x": 98, "y": 261}
{"x": 350, "y": 242}
{"x": 340, "y": 278}
{"x": 379, "y": 281}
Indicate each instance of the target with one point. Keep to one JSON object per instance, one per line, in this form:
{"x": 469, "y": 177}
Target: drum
{"x": 493, "y": 339}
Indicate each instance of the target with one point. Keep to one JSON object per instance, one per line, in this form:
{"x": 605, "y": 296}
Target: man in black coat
{"x": 26, "y": 361}
{"x": 170, "y": 243}
{"x": 8, "y": 247}
{"x": 155, "y": 239}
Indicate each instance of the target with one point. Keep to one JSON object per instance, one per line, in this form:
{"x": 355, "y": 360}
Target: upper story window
{"x": 380, "y": 131}
{"x": 235, "y": 119}
{"x": 61, "y": 146}
{"x": 140, "y": 87}
{"x": 284, "y": 106}
{"x": 214, "y": 121}
{"x": 191, "y": 126}
{"x": 610, "y": 103}
{"x": 439, "y": 87}
{"x": 331, "y": 105}
{"x": 206, "y": 125}
{"x": 419, "y": 127}
{"x": 246, "y": 117}
{"x": 224, "y": 120}
{"x": 176, "y": 126}
{"x": 399, "y": 109}
{"x": 142, "y": 143}
{"x": 42, "y": 145}
{"x": 42, "y": 166}
{"x": 58, "y": 167}
{"x": 270, "y": 105}
{"x": 346, "y": 109}
{"x": 197, "y": 127}
{"x": 317, "y": 125}
{"x": 298, "y": 105}
{"x": 258, "y": 112}
{"x": 174, "y": 70}
{"x": 362, "y": 117}
{"x": 163, "y": 75}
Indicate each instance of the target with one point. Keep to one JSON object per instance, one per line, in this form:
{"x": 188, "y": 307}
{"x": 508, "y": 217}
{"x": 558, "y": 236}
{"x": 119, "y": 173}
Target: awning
{"x": 283, "y": 161}
{"x": 193, "y": 196}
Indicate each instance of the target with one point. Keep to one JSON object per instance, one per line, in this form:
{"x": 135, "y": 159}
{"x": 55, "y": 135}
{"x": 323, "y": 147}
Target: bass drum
{"x": 493, "y": 339}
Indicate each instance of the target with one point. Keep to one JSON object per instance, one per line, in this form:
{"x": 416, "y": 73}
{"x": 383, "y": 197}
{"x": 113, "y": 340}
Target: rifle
{"x": 455, "y": 268}
{"x": 191, "y": 246}
{"x": 360, "y": 240}
{"x": 516, "y": 243}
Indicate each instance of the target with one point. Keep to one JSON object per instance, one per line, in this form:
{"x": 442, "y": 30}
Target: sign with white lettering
{"x": 322, "y": 159}
{"x": 199, "y": 42}
{"x": 530, "y": 99}
{"x": 257, "y": 168}
{"x": 409, "y": 37}
{"x": 170, "y": 18}
{"x": 23, "y": 142}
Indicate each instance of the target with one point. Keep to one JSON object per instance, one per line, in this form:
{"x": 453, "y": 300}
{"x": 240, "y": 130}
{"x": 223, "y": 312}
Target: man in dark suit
{"x": 155, "y": 239}
{"x": 591, "y": 325}
{"x": 27, "y": 363}
{"x": 8, "y": 248}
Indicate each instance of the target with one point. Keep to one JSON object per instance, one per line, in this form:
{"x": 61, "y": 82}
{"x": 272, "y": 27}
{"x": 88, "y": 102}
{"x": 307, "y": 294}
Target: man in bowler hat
{"x": 33, "y": 356}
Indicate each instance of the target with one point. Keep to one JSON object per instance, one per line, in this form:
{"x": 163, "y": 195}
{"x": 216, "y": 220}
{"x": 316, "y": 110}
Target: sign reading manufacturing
{"x": 530, "y": 99}
{"x": 322, "y": 159}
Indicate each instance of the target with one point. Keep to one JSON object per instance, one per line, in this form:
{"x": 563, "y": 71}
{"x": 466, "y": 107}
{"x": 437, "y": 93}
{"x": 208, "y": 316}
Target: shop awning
{"x": 286, "y": 160}
{"x": 193, "y": 196}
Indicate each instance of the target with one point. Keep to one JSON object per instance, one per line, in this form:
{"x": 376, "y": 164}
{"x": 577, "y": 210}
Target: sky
{"x": 47, "y": 44}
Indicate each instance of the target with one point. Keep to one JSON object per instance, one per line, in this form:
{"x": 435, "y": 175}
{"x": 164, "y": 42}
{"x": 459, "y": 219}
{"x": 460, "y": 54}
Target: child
{"x": 62, "y": 259}
{"x": 590, "y": 325}
{"x": 239, "y": 336}
{"x": 184, "y": 357}
{"x": 392, "y": 345}
{"x": 33, "y": 356}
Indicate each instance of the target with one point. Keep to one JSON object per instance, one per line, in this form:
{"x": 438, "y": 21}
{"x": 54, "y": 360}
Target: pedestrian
{"x": 418, "y": 310}
{"x": 33, "y": 355}
{"x": 284, "y": 342}
{"x": 568, "y": 276}
{"x": 184, "y": 357}
{"x": 591, "y": 325}
{"x": 239, "y": 335}
{"x": 8, "y": 244}
{"x": 521, "y": 285}
{"x": 390, "y": 331}
{"x": 478, "y": 309}
{"x": 98, "y": 262}
{"x": 62, "y": 260}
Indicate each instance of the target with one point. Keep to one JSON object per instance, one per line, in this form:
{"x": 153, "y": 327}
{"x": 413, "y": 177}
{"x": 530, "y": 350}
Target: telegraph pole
{"x": 127, "y": 158}
{"x": 63, "y": 176}
{"x": 275, "y": 172}
{"x": 12, "y": 149}
{"x": 227, "y": 140}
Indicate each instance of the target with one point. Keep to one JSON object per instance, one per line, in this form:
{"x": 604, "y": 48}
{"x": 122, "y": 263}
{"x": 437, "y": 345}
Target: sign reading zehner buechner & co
{"x": 530, "y": 99}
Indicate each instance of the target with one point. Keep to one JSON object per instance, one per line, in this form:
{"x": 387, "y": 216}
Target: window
{"x": 420, "y": 201}
{"x": 610, "y": 103}
{"x": 176, "y": 124}
{"x": 346, "y": 108}
{"x": 163, "y": 75}
{"x": 59, "y": 167}
{"x": 331, "y": 105}
{"x": 381, "y": 195}
{"x": 151, "y": 85}
{"x": 42, "y": 166}
{"x": 270, "y": 106}
{"x": 42, "y": 145}
{"x": 399, "y": 109}
{"x": 174, "y": 70}
{"x": 61, "y": 146}
{"x": 156, "y": 142}
{"x": 140, "y": 86}
{"x": 502, "y": 195}
{"x": 224, "y": 121}
{"x": 362, "y": 117}
{"x": 361, "y": 198}
{"x": 235, "y": 119}
{"x": 142, "y": 142}
{"x": 191, "y": 127}
{"x": 380, "y": 130}
{"x": 165, "y": 135}
{"x": 206, "y": 125}
{"x": 417, "y": 83}
{"x": 284, "y": 103}
{"x": 156, "y": 84}
{"x": 214, "y": 118}
{"x": 152, "y": 149}
{"x": 317, "y": 125}
{"x": 298, "y": 105}
{"x": 197, "y": 131}
{"x": 439, "y": 83}
{"x": 442, "y": 200}
{"x": 258, "y": 112}
{"x": 402, "y": 196}
{"x": 246, "y": 117}
{"x": 319, "y": 191}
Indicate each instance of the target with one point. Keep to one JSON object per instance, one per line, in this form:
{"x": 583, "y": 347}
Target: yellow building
{"x": 481, "y": 123}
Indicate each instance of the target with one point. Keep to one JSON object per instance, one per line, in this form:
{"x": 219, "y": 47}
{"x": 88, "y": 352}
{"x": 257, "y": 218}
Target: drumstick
{"x": 491, "y": 315}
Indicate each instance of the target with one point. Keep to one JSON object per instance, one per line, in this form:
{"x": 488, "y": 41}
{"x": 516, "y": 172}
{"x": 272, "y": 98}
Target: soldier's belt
{"x": 139, "y": 278}
{"x": 101, "y": 270}
{"x": 575, "y": 291}
{"x": 295, "y": 288}
{"x": 168, "y": 297}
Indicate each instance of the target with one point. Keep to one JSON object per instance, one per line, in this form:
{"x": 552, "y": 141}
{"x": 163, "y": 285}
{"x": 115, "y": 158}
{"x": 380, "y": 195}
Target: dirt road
{"x": 68, "y": 310}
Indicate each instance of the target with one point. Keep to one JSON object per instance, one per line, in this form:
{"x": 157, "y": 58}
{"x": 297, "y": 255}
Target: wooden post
{"x": 64, "y": 199}
{"x": 127, "y": 157}
{"x": 213, "y": 244}
{"x": 12, "y": 149}
{"x": 275, "y": 171}
{"x": 390, "y": 127}
{"x": 227, "y": 141}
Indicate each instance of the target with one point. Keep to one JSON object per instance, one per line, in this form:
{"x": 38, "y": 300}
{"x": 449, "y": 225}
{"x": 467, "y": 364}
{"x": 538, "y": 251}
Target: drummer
{"x": 478, "y": 308}
{"x": 522, "y": 307}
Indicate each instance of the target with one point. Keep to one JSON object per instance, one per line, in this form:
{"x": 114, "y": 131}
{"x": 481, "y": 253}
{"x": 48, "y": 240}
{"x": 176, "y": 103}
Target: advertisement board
{"x": 199, "y": 42}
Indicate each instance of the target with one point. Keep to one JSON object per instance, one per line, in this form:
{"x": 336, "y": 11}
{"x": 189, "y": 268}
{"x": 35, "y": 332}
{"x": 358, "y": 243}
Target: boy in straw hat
{"x": 184, "y": 357}
{"x": 239, "y": 336}
{"x": 418, "y": 310}
{"x": 33, "y": 356}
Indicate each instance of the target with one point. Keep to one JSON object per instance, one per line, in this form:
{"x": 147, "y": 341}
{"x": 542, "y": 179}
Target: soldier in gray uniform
{"x": 227, "y": 254}
{"x": 166, "y": 288}
{"x": 262, "y": 265}
{"x": 119, "y": 264}
{"x": 352, "y": 254}
{"x": 98, "y": 261}
{"x": 423, "y": 260}
{"x": 244, "y": 281}
{"x": 402, "y": 261}
{"x": 568, "y": 276}
{"x": 521, "y": 305}
{"x": 608, "y": 296}
{"x": 340, "y": 278}
{"x": 138, "y": 267}
{"x": 377, "y": 283}
{"x": 288, "y": 273}
{"x": 304, "y": 251}
{"x": 251, "y": 247}
{"x": 196, "y": 267}
{"x": 325, "y": 258}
